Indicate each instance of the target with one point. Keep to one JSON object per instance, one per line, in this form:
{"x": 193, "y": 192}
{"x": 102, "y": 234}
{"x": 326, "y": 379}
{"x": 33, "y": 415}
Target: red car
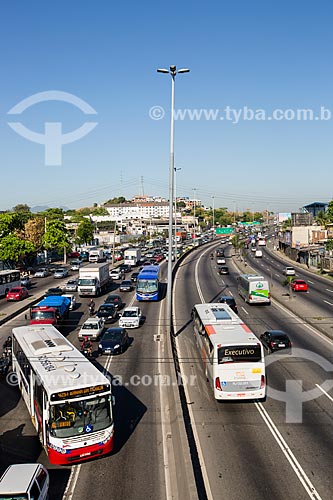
{"x": 17, "y": 293}
{"x": 73, "y": 255}
{"x": 158, "y": 258}
{"x": 299, "y": 286}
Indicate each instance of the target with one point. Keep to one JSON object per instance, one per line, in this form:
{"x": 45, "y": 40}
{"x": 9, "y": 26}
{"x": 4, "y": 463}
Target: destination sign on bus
{"x": 239, "y": 353}
{"x": 77, "y": 393}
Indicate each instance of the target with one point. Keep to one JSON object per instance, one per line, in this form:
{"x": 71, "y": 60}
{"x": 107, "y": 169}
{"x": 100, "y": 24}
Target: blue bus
{"x": 148, "y": 283}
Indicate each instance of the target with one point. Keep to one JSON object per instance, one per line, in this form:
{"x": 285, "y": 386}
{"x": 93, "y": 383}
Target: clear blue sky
{"x": 258, "y": 54}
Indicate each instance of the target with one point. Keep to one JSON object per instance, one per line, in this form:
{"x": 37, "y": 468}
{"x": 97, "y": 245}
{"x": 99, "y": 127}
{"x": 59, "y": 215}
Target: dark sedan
{"x": 126, "y": 286}
{"x": 113, "y": 341}
{"x": 276, "y": 340}
{"x": 115, "y": 299}
{"x": 230, "y": 301}
{"x": 54, "y": 291}
{"x": 224, "y": 270}
{"x": 125, "y": 268}
{"x": 134, "y": 277}
{"x": 107, "y": 312}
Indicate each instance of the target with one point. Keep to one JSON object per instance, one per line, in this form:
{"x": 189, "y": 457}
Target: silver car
{"x": 42, "y": 273}
{"x": 61, "y": 273}
{"x": 71, "y": 286}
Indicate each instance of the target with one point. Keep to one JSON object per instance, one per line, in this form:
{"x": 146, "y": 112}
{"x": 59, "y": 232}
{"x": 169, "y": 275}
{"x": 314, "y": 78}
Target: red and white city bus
{"x": 68, "y": 398}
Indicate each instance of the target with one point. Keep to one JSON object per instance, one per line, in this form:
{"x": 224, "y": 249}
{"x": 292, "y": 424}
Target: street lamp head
{"x": 162, "y": 70}
{"x": 173, "y": 69}
{"x": 183, "y": 70}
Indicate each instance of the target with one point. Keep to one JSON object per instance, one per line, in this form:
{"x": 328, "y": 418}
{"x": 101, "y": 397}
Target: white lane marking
{"x": 312, "y": 282}
{"x": 296, "y": 466}
{"x": 194, "y": 426}
{"x": 74, "y": 476}
{"x": 75, "y": 471}
{"x": 277, "y": 275}
{"x": 164, "y": 407}
{"x": 328, "y": 290}
{"x": 329, "y": 303}
{"x": 244, "y": 310}
{"x": 309, "y": 327}
{"x": 326, "y": 393}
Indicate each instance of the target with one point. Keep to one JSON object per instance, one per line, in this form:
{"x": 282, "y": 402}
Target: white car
{"x": 75, "y": 265}
{"x": 25, "y": 481}
{"x": 131, "y": 317}
{"x": 42, "y": 273}
{"x": 220, "y": 260}
{"x": 72, "y": 299}
{"x": 115, "y": 274}
{"x": 289, "y": 271}
{"x": 91, "y": 328}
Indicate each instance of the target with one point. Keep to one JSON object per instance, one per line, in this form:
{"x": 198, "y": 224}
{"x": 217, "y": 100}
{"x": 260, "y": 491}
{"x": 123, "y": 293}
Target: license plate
{"x": 281, "y": 345}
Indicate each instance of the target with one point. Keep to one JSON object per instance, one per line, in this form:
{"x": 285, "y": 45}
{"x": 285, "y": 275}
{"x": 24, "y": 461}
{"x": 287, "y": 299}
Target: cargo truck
{"x": 50, "y": 311}
{"x": 93, "y": 279}
{"x": 181, "y": 236}
{"x": 97, "y": 255}
{"x": 132, "y": 256}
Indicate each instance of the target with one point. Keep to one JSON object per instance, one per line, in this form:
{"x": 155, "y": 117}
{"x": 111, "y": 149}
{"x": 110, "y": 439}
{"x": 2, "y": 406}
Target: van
{"x": 28, "y": 481}
{"x": 258, "y": 253}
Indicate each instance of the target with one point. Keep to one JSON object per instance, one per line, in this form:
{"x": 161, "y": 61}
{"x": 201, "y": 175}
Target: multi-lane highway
{"x": 145, "y": 462}
{"x": 281, "y": 447}
{"x": 276, "y": 448}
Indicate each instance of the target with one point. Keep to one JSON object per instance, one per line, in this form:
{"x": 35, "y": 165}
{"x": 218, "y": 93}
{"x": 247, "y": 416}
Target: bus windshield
{"x": 75, "y": 418}
{"x": 147, "y": 285}
{"x": 239, "y": 354}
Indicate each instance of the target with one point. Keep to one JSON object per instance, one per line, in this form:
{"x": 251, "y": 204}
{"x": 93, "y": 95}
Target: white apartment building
{"x": 132, "y": 212}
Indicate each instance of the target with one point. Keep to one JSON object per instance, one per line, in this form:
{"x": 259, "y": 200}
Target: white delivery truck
{"x": 93, "y": 279}
{"x": 97, "y": 255}
{"x": 132, "y": 256}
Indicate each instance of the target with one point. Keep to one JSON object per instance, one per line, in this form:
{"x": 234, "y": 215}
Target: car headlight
{"x": 116, "y": 346}
{"x": 100, "y": 346}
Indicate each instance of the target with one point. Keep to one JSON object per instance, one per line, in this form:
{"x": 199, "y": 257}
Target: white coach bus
{"x": 232, "y": 356}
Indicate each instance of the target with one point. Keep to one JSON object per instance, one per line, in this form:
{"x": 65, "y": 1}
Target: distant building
{"x": 315, "y": 208}
{"x": 135, "y": 211}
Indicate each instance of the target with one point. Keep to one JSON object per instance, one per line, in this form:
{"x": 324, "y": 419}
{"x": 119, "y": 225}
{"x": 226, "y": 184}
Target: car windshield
{"x": 15, "y": 290}
{"x": 130, "y": 314}
{"x": 79, "y": 417}
{"x": 116, "y": 336}
{"x": 112, "y": 298}
{"x": 90, "y": 326}
{"x": 109, "y": 308}
{"x": 279, "y": 336}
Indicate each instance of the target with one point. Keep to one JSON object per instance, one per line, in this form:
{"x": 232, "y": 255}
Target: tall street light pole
{"x": 194, "y": 205}
{"x": 172, "y": 71}
{"x": 175, "y": 194}
{"x": 213, "y": 212}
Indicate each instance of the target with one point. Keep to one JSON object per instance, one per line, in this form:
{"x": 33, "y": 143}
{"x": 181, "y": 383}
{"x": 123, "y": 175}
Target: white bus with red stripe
{"x": 68, "y": 398}
{"x": 232, "y": 356}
